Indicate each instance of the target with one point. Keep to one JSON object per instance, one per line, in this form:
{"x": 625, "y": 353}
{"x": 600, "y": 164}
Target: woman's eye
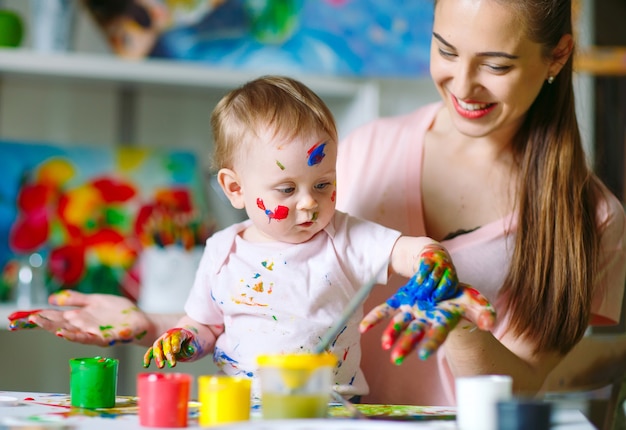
{"x": 498, "y": 69}
{"x": 445, "y": 53}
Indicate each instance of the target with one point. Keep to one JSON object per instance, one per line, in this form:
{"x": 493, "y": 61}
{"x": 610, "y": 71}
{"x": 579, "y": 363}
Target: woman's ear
{"x": 229, "y": 181}
{"x": 561, "y": 54}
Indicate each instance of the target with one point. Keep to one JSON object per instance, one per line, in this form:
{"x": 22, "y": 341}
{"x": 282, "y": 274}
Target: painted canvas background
{"x": 369, "y": 38}
{"x": 87, "y": 211}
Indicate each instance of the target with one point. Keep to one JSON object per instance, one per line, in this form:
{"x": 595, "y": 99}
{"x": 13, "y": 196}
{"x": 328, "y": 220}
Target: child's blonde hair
{"x": 283, "y": 105}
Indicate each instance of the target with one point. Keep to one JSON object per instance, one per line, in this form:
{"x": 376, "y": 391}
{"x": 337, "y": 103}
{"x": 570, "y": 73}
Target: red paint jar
{"x": 163, "y": 399}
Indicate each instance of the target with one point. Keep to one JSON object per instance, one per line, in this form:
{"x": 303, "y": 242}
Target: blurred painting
{"x": 359, "y": 38}
{"x": 87, "y": 212}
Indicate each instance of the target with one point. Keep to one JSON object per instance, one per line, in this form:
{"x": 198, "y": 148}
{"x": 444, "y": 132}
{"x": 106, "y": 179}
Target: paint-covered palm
{"x": 95, "y": 319}
{"x": 177, "y": 344}
{"x": 435, "y": 279}
{"x": 424, "y": 325}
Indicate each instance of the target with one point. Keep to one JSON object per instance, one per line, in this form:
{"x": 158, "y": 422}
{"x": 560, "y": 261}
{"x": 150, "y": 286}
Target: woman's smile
{"x": 472, "y": 110}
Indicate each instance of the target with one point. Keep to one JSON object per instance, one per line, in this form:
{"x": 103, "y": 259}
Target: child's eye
{"x": 286, "y": 190}
{"x": 322, "y": 186}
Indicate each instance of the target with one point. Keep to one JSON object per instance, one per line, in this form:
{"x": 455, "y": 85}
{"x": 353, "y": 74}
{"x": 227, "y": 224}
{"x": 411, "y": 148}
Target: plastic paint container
{"x": 477, "y": 398}
{"x": 521, "y": 414}
{"x": 93, "y": 382}
{"x": 296, "y": 385}
{"x": 163, "y": 399}
{"x": 223, "y": 399}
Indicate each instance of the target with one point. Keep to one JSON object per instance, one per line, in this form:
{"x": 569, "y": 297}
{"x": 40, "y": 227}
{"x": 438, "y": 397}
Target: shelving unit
{"x": 70, "y": 79}
{"x": 602, "y": 61}
{"x": 105, "y": 68}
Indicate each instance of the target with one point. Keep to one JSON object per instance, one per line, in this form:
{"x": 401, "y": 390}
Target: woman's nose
{"x": 464, "y": 81}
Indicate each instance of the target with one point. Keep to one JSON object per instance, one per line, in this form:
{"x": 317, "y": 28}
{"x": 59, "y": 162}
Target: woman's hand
{"x": 177, "y": 344}
{"x": 425, "y": 324}
{"x": 100, "y": 319}
{"x": 435, "y": 278}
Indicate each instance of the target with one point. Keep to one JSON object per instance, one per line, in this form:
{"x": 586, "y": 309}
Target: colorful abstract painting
{"x": 89, "y": 211}
{"x": 369, "y": 38}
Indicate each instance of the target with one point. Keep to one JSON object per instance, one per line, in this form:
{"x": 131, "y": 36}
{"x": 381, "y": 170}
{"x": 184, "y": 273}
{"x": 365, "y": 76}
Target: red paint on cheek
{"x": 333, "y": 196}
{"x": 281, "y": 212}
{"x": 260, "y": 204}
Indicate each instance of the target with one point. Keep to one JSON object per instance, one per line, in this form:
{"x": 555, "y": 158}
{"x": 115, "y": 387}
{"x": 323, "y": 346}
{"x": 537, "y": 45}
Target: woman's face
{"x": 486, "y": 69}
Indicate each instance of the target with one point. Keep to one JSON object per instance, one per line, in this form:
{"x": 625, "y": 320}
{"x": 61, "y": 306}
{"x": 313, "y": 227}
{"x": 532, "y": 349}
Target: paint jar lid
{"x": 297, "y": 361}
{"x": 523, "y": 414}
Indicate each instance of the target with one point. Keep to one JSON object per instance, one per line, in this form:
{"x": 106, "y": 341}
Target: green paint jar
{"x": 11, "y": 28}
{"x": 93, "y": 382}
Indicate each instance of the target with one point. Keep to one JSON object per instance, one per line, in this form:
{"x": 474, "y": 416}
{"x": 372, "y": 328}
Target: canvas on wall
{"x": 364, "y": 38}
{"x": 88, "y": 212}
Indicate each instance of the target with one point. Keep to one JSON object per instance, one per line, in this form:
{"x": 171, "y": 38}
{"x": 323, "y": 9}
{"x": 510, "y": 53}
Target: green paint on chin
{"x": 106, "y": 327}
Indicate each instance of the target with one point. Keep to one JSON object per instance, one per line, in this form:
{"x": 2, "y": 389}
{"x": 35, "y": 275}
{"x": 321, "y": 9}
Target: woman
{"x": 497, "y": 173}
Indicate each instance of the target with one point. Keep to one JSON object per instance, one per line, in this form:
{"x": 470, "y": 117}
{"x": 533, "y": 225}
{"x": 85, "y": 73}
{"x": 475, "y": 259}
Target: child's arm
{"x": 188, "y": 341}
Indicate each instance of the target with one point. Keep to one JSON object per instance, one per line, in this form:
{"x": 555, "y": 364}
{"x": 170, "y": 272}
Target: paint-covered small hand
{"x": 177, "y": 344}
{"x": 98, "y": 319}
{"x": 425, "y": 325}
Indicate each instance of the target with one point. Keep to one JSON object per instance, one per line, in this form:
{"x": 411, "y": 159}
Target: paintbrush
{"x": 354, "y": 303}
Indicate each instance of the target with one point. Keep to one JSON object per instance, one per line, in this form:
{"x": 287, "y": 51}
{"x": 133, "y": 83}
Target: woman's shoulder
{"x": 419, "y": 118}
{"x": 611, "y": 215}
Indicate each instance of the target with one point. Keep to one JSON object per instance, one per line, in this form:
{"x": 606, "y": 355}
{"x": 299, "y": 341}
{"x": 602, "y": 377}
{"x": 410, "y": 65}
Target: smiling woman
{"x": 501, "y": 159}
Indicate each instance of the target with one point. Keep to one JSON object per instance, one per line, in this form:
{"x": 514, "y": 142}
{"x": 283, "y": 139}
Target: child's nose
{"x": 307, "y": 202}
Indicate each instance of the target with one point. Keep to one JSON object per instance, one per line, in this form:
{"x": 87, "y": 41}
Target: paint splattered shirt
{"x": 379, "y": 173}
{"x": 280, "y": 297}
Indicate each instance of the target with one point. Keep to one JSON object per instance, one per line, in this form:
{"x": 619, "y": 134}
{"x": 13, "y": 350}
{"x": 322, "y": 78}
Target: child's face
{"x": 289, "y": 187}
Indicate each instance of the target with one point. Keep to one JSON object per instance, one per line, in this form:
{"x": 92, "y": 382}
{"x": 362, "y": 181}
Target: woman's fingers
{"x": 69, "y": 298}
{"x": 376, "y": 315}
{"x": 396, "y": 326}
{"x": 476, "y": 308}
{"x": 409, "y": 338}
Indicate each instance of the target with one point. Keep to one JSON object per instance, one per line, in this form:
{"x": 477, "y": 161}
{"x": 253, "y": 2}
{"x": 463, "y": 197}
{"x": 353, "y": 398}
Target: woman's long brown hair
{"x": 548, "y": 289}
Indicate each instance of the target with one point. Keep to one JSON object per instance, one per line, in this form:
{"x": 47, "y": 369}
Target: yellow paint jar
{"x": 223, "y": 399}
{"x": 295, "y": 385}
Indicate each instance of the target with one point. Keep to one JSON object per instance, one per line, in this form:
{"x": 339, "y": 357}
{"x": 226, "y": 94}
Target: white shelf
{"x": 106, "y": 68}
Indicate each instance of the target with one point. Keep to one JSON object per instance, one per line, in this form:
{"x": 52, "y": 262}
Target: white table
{"x": 52, "y": 411}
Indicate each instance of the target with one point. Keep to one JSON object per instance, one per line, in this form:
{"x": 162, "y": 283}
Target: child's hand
{"x": 177, "y": 344}
{"x": 425, "y": 324}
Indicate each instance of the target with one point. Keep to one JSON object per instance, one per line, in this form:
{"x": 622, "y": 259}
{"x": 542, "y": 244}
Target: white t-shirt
{"x": 275, "y": 297}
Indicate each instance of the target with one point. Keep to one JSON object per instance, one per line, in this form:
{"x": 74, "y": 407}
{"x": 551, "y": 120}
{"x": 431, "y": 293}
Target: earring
{"x": 550, "y": 79}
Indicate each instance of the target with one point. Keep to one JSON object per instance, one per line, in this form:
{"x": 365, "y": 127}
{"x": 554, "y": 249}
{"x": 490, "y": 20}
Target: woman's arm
{"x": 475, "y": 352}
{"x": 96, "y": 319}
{"x": 597, "y": 361}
